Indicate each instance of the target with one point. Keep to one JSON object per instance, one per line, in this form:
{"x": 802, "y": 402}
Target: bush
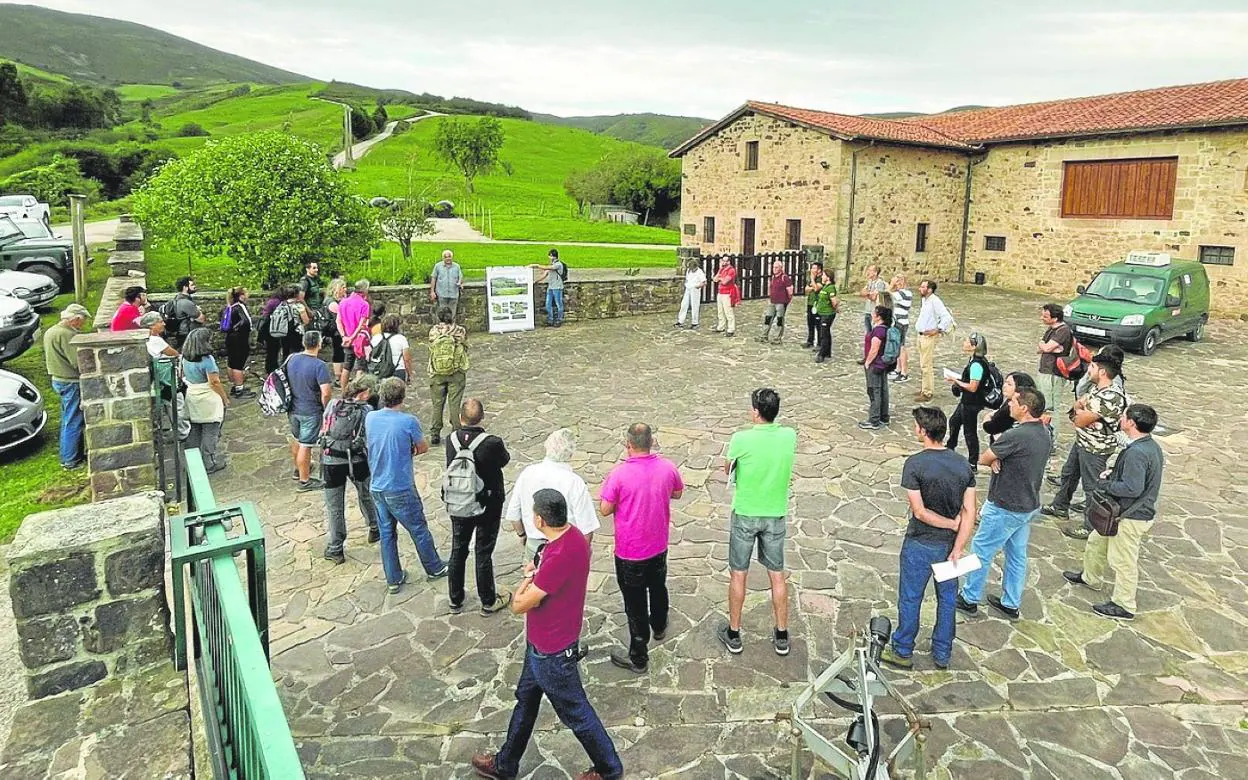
{"x": 380, "y": 118}
{"x": 361, "y": 123}
{"x": 402, "y": 126}
{"x": 191, "y": 130}
{"x": 52, "y": 183}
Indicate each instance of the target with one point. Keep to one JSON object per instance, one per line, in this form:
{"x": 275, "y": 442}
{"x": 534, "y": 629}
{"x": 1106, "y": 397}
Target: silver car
{"x": 22, "y": 415}
{"x": 36, "y": 289}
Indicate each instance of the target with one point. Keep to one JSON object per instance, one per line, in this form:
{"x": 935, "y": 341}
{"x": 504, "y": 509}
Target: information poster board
{"x": 509, "y": 298}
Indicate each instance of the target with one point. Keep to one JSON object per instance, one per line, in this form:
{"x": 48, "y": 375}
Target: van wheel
{"x": 44, "y": 269}
{"x": 1198, "y": 332}
{"x": 1151, "y": 340}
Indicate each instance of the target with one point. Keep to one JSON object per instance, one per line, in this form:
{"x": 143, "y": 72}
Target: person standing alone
{"x": 779, "y": 296}
{"x": 934, "y": 321}
{"x": 726, "y": 297}
{"x": 61, "y": 359}
{"x": 639, "y": 492}
{"x": 554, "y": 273}
{"x": 446, "y": 281}
{"x": 691, "y": 303}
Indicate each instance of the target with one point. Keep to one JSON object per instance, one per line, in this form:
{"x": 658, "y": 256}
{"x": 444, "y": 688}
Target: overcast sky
{"x": 705, "y": 58}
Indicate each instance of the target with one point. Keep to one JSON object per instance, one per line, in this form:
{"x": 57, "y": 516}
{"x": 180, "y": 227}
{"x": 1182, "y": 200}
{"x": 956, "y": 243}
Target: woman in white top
{"x": 400, "y": 350}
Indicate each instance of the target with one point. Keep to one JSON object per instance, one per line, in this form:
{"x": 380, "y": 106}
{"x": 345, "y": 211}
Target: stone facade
{"x": 117, "y": 403}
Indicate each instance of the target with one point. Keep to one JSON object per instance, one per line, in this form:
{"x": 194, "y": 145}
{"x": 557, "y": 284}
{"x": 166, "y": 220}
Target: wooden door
{"x": 747, "y": 236}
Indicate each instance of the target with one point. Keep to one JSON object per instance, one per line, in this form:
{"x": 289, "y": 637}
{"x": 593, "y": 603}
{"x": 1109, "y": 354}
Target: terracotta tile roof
{"x": 1214, "y": 104}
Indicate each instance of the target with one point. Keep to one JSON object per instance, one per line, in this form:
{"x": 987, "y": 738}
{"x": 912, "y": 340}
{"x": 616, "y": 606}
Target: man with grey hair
{"x": 554, "y": 472}
{"x": 353, "y": 314}
{"x": 61, "y": 359}
{"x": 309, "y": 392}
{"x": 639, "y": 492}
{"x": 445, "y": 282}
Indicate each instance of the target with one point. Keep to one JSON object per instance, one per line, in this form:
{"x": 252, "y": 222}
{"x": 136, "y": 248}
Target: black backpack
{"x": 563, "y": 270}
{"x": 176, "y": 325}
{"x": 990, "y": 388}
{"x": 381, "y": 359}
{"x": 344, "y": 435}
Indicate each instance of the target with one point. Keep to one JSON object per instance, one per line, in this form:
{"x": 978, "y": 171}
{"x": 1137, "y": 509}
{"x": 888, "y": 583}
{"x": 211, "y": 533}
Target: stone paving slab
{"x": 379, "y": 685}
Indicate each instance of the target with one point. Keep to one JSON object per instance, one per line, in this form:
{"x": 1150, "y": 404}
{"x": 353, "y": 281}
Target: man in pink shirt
{"x": 639, "y": 493}
{"x": 353, "y": 312}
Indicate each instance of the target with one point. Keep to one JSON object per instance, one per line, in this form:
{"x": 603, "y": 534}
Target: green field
{"x": 530, "y": 204}
{"x": 137, "y": 93}
{"x": 31, "y": 478}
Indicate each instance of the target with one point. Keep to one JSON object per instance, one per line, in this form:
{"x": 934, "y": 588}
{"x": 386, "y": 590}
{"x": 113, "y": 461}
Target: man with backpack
{"x": 882, "y": 344}
{"x": 310, "y": 284}
{"x": 181, "y": 313}
{"x": 344, "y": 457}
{"x": 448, "y": 367}
{"x": 1057, "y": 342}
{"x": 310, "y": 384}
{"x": 472, "y": 488}
{"x": 554, "y": 274}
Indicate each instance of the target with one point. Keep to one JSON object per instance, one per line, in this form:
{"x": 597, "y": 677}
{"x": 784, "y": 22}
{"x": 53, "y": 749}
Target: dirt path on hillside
{"x": 361, "y": 149}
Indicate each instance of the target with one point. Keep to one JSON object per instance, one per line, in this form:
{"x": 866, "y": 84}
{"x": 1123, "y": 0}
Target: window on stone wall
{"x": 1217, "y": 255}
{"x": 751, "y": 155}
{"x": 920, "y": 237}
{"x": 792, "y": 234}
{"x": 994, "y": 243}
{"x": 1119, "y": 189}
{"x": 708, "y": 230}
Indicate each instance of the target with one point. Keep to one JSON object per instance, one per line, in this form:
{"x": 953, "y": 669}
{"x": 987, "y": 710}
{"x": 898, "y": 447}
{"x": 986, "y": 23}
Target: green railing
{"x": 248, "y": 736}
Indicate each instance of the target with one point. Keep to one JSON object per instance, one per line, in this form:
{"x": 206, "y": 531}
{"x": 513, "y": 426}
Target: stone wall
{"x": 1016, "y": 193}
{"x": 797, "y": 178}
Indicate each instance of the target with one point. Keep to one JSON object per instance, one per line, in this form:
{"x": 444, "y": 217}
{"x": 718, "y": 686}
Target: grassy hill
{"x": 661, "y": 130}
{"x": 110, "y": 51}
{"x": 529, "y": 204}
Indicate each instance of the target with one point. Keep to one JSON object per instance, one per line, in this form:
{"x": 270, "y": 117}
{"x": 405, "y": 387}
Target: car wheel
{"x": 49, "y": 271}
{"x": 1198, "y": 332}
{"x": 1151, "y": 340}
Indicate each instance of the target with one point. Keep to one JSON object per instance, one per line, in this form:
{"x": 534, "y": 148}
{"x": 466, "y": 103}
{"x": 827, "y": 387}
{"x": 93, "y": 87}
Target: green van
{"x": 1141, "y": 302}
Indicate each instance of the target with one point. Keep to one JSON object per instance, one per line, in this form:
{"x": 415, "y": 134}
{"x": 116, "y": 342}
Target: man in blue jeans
{"x": 554, "y": 275}
{"x": 552, "y": 598}
{"x": 393, "y": 436}
{"x": 310, "y": 384}
{"x": 940, "y": 487}
{"x": 61, "y": 359}
{"x": 1017, "y": 459}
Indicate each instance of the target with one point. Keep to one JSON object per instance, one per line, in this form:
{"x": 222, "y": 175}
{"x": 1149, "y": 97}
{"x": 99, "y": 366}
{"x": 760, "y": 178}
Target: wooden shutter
{"x": 792, "y": 234}
{"x": 1119, "y": 189}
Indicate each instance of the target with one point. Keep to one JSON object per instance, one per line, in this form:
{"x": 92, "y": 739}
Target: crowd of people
{"x": 346, "y": 415}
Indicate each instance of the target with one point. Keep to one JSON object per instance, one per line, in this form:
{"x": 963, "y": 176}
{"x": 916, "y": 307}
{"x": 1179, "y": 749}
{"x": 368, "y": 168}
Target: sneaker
{"x": 893, "y": 375}
{"x": 1010, "y": 612}
{"x": 1079, "y": 506}
{"x": 819, "y": 358}
{"x": 581, "y": 652}
{"x": 440, "y": 573}
{"x": 501, "y": 601}
{"x": 732, "y": 643}
{"x": 659, "y": 636}
{"x": 295, "y": 475}
{"x": 922, "y": 397}
{"x": 694, "y": 326}
{"x": 435, "y": 440}
{"x": 483, "y": 765}
{"x": 761, "y": 339}
{"x": 1053, "y": 480}
{"x": 620, "y": 658}
{"x": 242, "y": 392}
{"x": 336, "y": 558}
{"x": 967, "y": 607}
{"x": 1076, "y": 578}
{"x": 867, "y": 425}
{"x": 680, "y": 324}
{"x": 717, "y": 330}
{"x": 890, "y": 657}
{"x": 457, "y": 609}
{"x": 312, "y": 484}
{"x": 218, "y": 466}
{"x": 781, "y": 643}
{"x": 903, "y": 378}
{"x": 74, "y": 464}
{"x": 1111, "y": 610}
{"x": 1060, "y": 512}
{"x": 1077, "y": 532}
{"x": 373, "y": 536}
{"x": 941, "y": 665}
{"x": 398, "y": 585}
{"x": 808, "y": 344}
{"x": 730, "y": 334}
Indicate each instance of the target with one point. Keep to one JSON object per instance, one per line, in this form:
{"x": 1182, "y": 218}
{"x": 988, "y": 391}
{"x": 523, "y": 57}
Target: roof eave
{"x": 1213, "y": 125}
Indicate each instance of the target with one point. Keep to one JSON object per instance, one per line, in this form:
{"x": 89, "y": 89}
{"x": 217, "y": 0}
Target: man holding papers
{"x": 940, "y": 487}
{"x": 1017, "y": 459}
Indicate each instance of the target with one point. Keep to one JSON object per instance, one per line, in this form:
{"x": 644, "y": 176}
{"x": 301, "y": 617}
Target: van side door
{"x": 1174, "y": 303}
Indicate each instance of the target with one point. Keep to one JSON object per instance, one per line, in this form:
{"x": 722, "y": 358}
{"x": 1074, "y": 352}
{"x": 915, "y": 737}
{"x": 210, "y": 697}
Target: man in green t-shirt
{"x": 760, "y": 463}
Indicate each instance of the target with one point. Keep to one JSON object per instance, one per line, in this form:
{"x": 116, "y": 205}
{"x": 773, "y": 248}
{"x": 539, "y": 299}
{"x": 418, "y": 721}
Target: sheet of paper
{"x": 949, "y": 374}
{"x": 947, "y": 570}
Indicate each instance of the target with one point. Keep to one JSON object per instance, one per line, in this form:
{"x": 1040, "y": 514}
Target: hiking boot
{"x": 483, "y": 765}
{"x": 780, "y": 643}
{"x": 439, "y": 574}
{"x": 1010, "y": 612}
{"x": 659, "y": 635}
{"x": 435, "y": 440}
{"x": 890, "y": 657}
{"x": 396, "y": 587}
{"x": 1076, "y": 578}
{"x": 312, "y": 484}
{"x": 457, "y": 609}
{"x": 501, "y": 601}
{"x": 732, "y": 643}
{"x": 966, "y": 607}
{"x": 819, "y": 358}
{"x": 336, "y": 558}
{"x": 1111, "y": 610}
{"x": 373, "y": 536}
{"x": 1052, "y": 510}
{"x": 621, "y": 659}
{"x": 1076, "y": 532}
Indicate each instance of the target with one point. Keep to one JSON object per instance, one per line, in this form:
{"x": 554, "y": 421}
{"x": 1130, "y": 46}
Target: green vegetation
{"x": 660, "y": 130}
{"x": 110, "y": 51}
{"x": 643, "y": 180}
{"x": 136, "y": 93}
{"x": 471, "y": 146}
{"x": 31, "y": 479}
{"x": 344, "y": 92}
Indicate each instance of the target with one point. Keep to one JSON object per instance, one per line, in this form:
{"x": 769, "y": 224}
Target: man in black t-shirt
{"x": 1017, "y": 459}
{"x": 940, "y": 486}
{"x": 1056, "y": 342}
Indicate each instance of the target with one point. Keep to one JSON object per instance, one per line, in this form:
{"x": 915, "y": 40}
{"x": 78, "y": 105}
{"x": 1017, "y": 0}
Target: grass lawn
{"x": 31, "y": 479}
{"x": 387, "y": 264}
{"x": 265, "y": 108}
{"x": 530, "y": 204}
{"x": 137, "y": 93}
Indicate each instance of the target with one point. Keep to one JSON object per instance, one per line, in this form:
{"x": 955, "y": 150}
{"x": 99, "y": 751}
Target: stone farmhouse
{"x": 1031, "y": 197}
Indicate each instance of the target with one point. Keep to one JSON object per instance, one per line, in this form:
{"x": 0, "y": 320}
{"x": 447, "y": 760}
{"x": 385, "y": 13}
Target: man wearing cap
{"x": 165, "y": 365}
{"x": 62, "y": 362}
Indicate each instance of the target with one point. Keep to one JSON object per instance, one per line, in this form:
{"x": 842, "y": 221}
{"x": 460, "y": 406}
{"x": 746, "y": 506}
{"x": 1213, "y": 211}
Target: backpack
{"x": 281, "y": 320}
{"x": 176, "y": 325}
{"x": 275, "y": 396}
{"x": 563, "y": 270}
{"x": 444, "y": 356}
{"x": 344, "y": 432}
{"x": 1074, "y": 364}
{"x": 226, "y": 318}
{"x": 462, "y": 486}
{"x": 990, "y": 387}
{"x": 324, "y": 321}
{"x": 381, "y": 359}
{"x": 892, "y": 347}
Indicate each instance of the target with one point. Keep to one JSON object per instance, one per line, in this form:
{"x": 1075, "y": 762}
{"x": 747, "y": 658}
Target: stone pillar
{"x": 116, "y": 384}
{"x": 88, "y": 590}
{"x": 128, "y": 237}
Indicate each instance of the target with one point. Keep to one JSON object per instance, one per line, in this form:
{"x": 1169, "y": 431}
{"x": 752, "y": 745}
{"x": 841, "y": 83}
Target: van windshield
{"x": 1132, "y": 288}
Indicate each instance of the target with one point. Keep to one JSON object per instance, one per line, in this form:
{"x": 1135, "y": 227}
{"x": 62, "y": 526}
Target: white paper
{"x": 949, "y": 374}
{"x": 947, "y": 570}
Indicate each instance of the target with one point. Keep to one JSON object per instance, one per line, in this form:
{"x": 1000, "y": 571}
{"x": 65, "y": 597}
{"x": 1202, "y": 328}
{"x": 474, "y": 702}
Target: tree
{"x": 408, "y": 217}
{"x": 639, "y": 179}
{"x": 380, "y": 117}
{"x": 471, "y": 147}
{"x": 361, "y": 124}
{"x": 12, "y": 95}
{"x": 268, "y": 200}
{"x": 52, "y": 183}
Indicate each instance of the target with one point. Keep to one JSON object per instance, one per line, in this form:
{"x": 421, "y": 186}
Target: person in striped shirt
{"x": 903, "y": 299}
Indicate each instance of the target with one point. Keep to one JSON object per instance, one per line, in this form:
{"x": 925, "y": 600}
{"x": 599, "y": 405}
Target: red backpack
{"x": 1074, "y": 364}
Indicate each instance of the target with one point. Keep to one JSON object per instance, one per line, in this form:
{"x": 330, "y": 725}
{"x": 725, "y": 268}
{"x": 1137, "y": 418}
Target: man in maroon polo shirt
{"x": 780, "y": 295}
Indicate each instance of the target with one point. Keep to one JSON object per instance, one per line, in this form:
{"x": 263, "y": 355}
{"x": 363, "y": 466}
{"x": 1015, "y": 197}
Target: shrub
{"x": 52, "y": 183}
{"x": 192, "y": 130}
{"x": 402, "y": 126}
{"x": 361, "y": 123}
{"x": 380, "y": 118}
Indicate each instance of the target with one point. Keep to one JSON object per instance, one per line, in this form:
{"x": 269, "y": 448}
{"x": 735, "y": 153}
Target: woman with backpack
{"x": 299, "y": 318}
{"x": 335, "y": 292}
{"x": 206, "y": 398}
{"x": 389, "y": 352}
{"x": 969, "y": 390}
{"x": 236, "y": 325}
{"x": 999, "y": 421}
{"x": 343, "y": 458}
{"x": 272, "y": 345}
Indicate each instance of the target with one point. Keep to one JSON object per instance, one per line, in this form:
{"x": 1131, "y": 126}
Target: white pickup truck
{"x": 25, "y": 207}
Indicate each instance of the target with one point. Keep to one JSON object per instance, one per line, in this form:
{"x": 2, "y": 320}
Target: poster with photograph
{"x": 509, "y": 297}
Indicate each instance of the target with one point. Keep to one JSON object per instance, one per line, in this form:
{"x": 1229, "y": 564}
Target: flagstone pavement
{"x": 379, "y": 685}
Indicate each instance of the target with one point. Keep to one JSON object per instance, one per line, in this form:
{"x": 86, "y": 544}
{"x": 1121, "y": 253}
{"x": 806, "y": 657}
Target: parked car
{"x": 19, "y": 327}
{"x": 1141, "y": 302}
{"x": 53, "y": 257}
{"x": 25, "y": 207}
{"x": 22, "y": 415}
{"x": 34, "y": 228}
{"x": 36, "y": 289}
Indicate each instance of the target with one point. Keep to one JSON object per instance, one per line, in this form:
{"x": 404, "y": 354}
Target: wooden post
{"x": 77, "y": 216}
{"x": 348, "y": 160}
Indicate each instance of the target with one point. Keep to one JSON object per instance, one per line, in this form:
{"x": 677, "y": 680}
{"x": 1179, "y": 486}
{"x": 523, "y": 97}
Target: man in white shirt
{"x": 934, "y": 321}
{"x": 695, "y": 280}
{"x": 166, "y": 371}
{"x": 553, "y": 472}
